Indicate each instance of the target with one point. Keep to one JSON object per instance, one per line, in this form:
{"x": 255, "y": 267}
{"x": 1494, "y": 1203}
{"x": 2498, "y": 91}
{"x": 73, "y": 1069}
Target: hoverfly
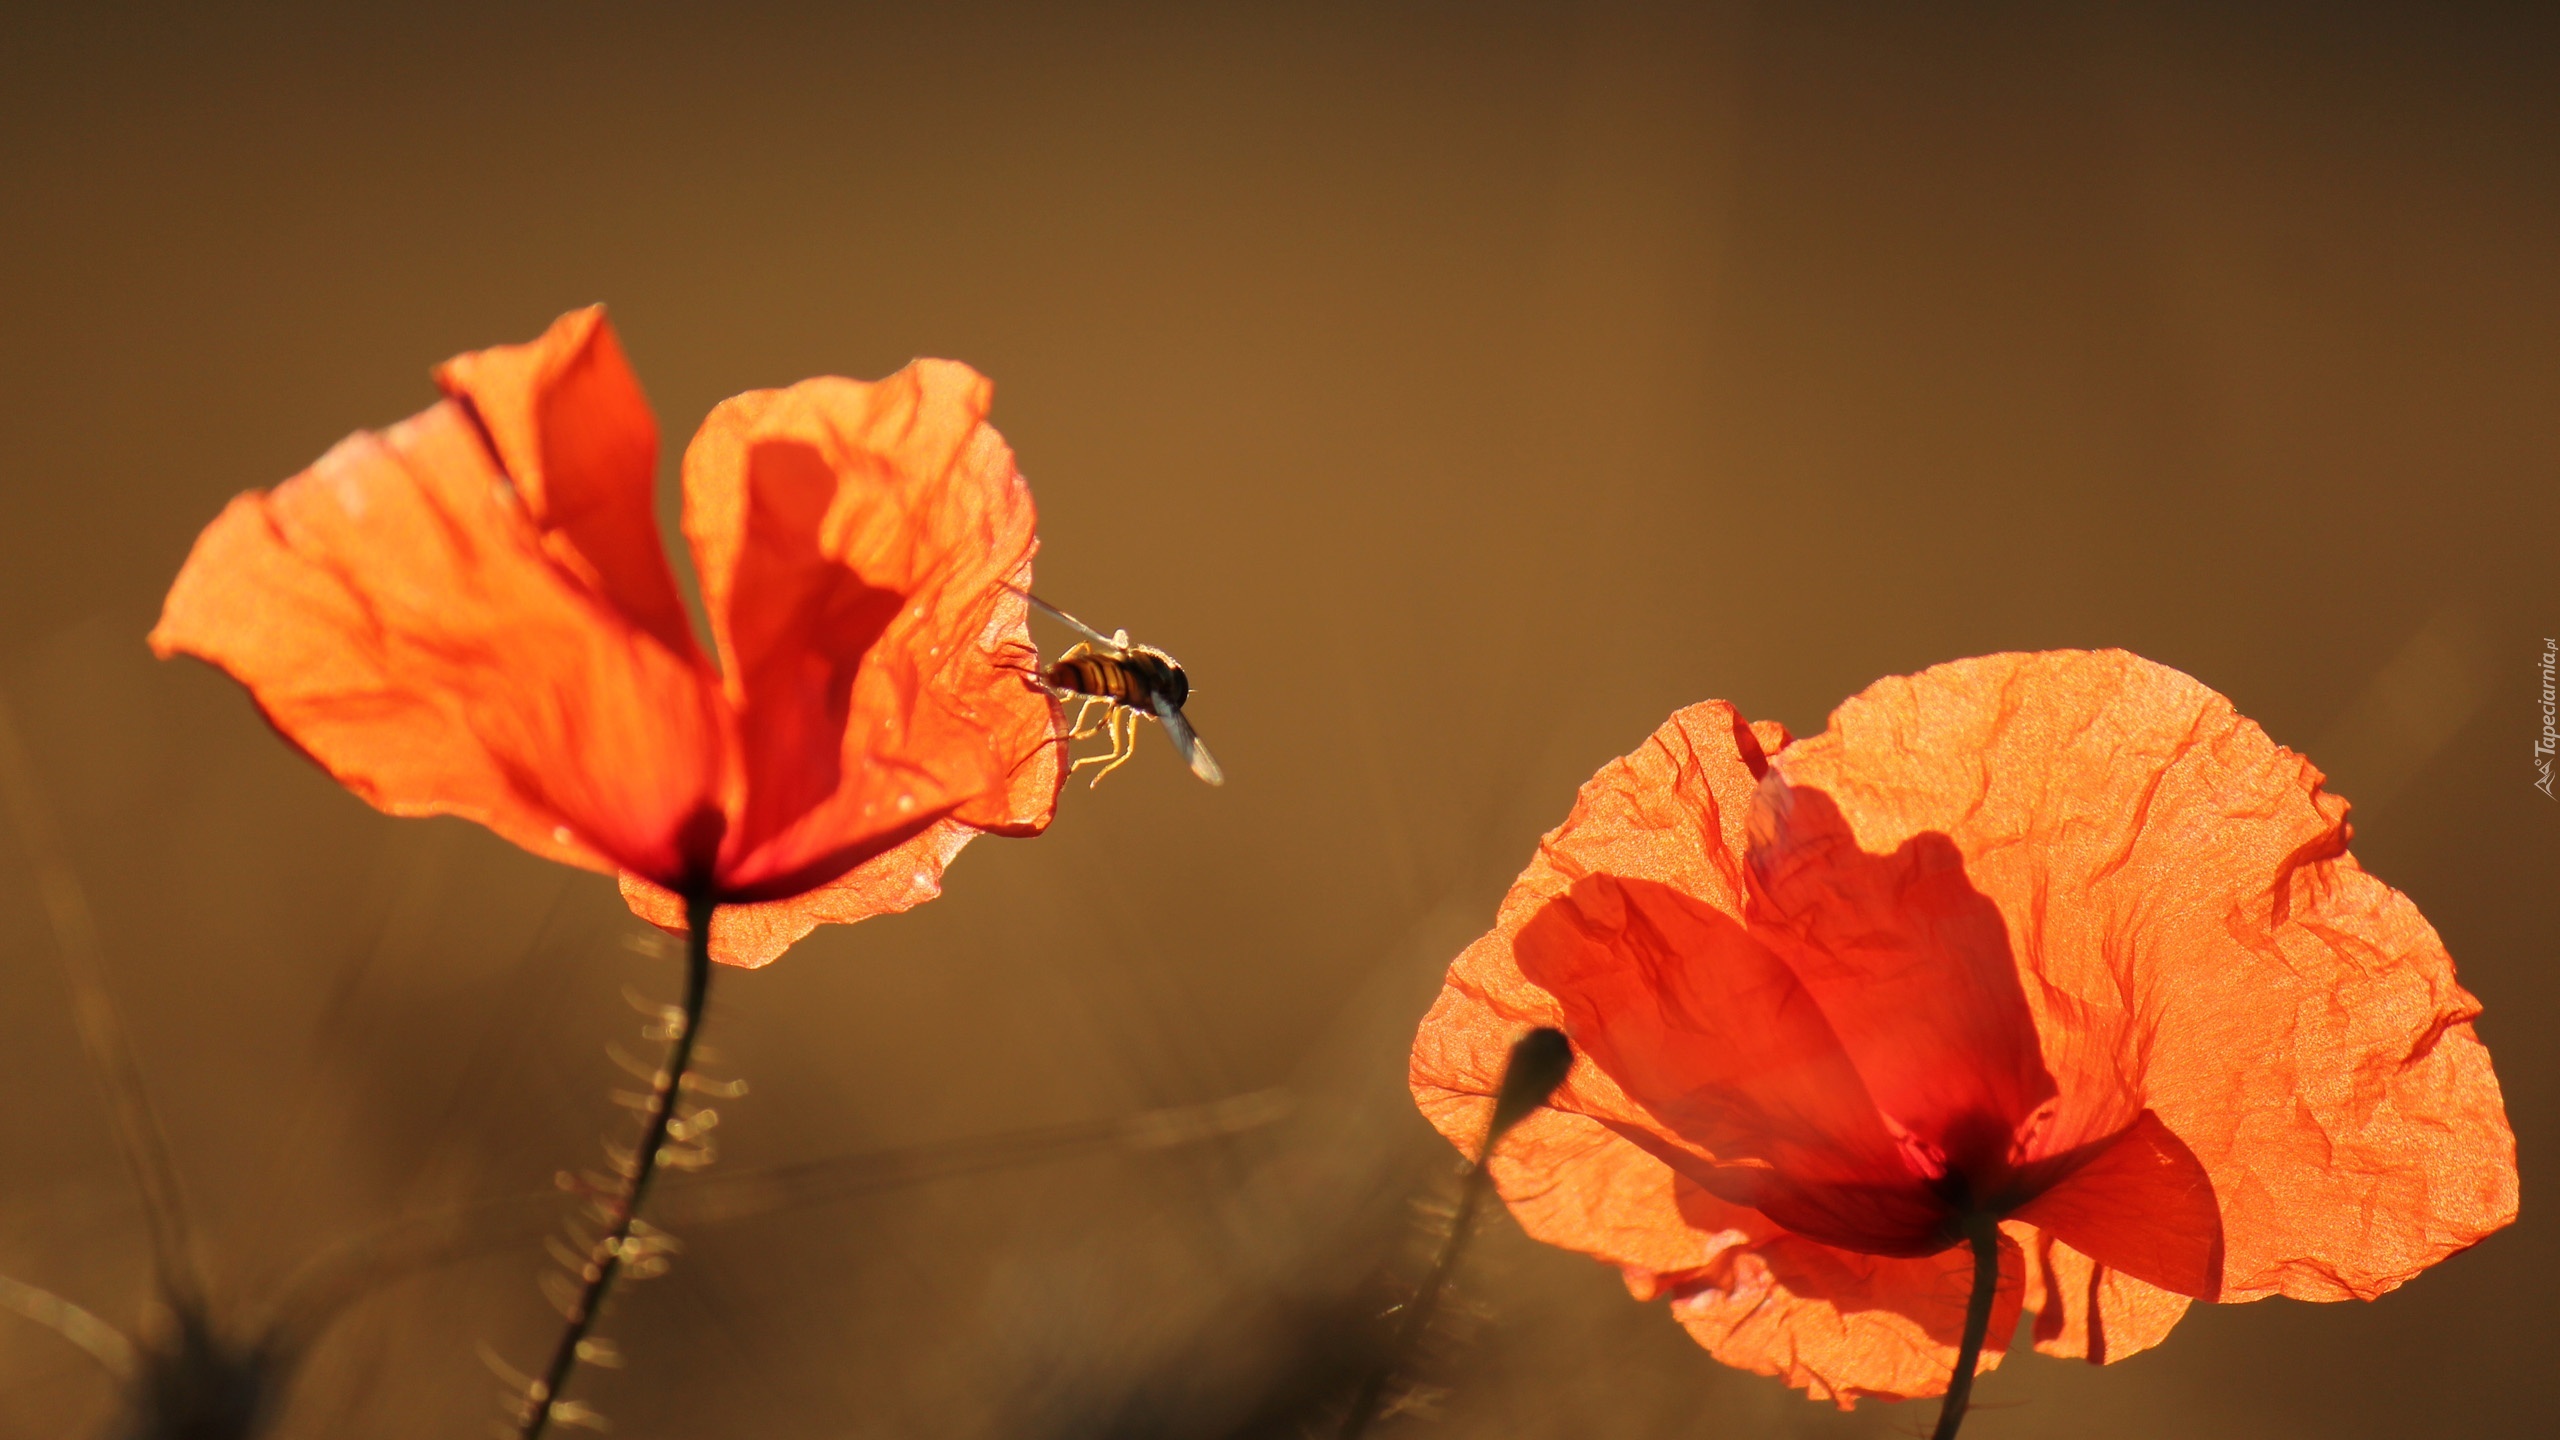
{"x": 1129, "y": 682}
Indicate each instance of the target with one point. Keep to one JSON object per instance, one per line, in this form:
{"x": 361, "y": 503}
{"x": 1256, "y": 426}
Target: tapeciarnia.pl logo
{"x": 2550, "y": 738}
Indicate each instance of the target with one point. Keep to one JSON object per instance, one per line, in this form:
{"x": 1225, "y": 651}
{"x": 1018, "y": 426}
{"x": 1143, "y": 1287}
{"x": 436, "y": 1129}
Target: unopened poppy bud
{"x": 1539, "y": 1061}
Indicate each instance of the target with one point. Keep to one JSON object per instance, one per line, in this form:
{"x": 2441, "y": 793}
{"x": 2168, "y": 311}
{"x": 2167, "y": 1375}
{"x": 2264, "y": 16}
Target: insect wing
{"x": 1187, "y": 741}
{"x": 1062, "y": 617}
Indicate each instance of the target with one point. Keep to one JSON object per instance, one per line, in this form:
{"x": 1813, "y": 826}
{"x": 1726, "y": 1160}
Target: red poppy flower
{"x": 2055, "y": 940}
{"x": 471, "y": 613}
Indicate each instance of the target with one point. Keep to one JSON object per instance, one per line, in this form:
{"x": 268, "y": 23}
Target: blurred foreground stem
{"x": 604, "y": 1262}
{"x": 75, "y": 933}
{"x": 1983, "y": 1233}
{"x": 1537, "y": 1066}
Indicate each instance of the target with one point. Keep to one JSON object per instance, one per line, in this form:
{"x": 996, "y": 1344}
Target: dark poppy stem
{"x": 1983, "y": 1233}
{"x": 604, "y": 1262}
{"x": 1417, "y": 1315}
{"x": 1537, "y": 1066}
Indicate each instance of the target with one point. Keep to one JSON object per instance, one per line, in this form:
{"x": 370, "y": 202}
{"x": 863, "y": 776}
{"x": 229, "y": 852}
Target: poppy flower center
{"x": 1974, "y": 1167}
{"x": 698, "y": 848}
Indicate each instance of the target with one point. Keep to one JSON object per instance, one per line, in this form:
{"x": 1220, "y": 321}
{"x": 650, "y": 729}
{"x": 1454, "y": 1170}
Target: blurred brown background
{"x": 1457, "y": 390}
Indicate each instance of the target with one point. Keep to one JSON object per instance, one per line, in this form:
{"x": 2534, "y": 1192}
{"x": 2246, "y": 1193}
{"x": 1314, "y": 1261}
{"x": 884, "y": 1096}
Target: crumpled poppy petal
{"x": 1572, "y": 1181}
{"x": 395, "y": 614}
{"x": 1911, "y": 967}
{"x": 2088, "y": 1311}
{"x": 2177, "y": 892}
{"x": 575, "y": 436}
{"x": 1843, "y": 1326}
{"x": 1672, "y": 812}
{"x": 753, "y": 934}
{"x": 856, "y": 543}
{"x": 1743, "y": 1085}
{"x": 1569, "y": 1176}
{"x": 1830, "y": 1325}
{"x": 1675, "y": 812}
{"x": 2142, "y": 1205}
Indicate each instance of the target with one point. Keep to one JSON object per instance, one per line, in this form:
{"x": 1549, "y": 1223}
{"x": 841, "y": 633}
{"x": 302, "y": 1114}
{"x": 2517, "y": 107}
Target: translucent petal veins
{"x": 1994, "y": 941}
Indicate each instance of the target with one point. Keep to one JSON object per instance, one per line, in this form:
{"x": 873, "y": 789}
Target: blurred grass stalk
{"x": 195, "y": 1377}
{"x": 176, "y": 1263}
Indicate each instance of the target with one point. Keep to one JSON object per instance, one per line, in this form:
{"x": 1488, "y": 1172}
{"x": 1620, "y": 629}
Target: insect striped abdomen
{"x": 1097, "y": 675}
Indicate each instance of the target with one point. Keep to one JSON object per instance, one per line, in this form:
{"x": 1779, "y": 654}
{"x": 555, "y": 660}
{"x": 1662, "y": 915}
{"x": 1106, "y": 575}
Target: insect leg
{"x": 1111, "y": 723}
{"x": 1124, "y": 741}
{"x": 1078, "y": 730}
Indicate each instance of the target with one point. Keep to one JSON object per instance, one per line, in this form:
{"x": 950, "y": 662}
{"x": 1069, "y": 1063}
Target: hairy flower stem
{"x": 1983, "y": 1233}
{"x": 1417, "y": 1314}
{"x": 1538, "y": 1064}
{"x": 605, "y": 1260}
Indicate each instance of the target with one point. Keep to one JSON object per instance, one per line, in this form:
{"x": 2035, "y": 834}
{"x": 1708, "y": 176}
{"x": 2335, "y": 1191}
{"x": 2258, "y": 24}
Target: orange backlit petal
{"x": 573, "y": 432}
{"x": 2177, "y": 890}
{"x": 2088, "y": 1311}
{"x": 1838, "y": 1325}
{"x": 1673, "y": 812}
{"x": 1570, "y": 1177}
{"x": 2067, "y": 913}
{"x": 1741, "y": 1083}
{"x": 2143, "y": 1206}
{"x": 1909, "y": 964}
{"x": 1571, "y": 1180}
{"x": 753, "y": 934}
{"x": 855, "y": 544}
{"x": 1843, "y": 1326}
{"x": 395, "y": 613}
